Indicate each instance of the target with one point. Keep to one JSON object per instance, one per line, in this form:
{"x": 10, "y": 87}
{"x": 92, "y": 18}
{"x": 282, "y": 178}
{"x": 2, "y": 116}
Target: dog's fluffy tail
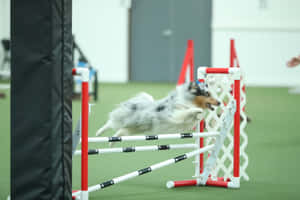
{"x": 106, "y": 126}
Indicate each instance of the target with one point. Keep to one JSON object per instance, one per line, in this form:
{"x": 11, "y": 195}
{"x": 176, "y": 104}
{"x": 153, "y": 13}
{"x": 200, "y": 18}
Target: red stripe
{"x": 217, "y": 70}
{"x": 74, "y": 71}
{"x": 185, "y": 183}
{"x": 231, "y": 53}
{"x": 201, "y": 146}
{"x": 187, "y": 62}
{"x": 236, "y": 145}
{"x": 218, "y": 183}
{"x": 84, "y": 137}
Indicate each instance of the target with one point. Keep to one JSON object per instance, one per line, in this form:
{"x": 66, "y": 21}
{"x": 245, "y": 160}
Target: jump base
{"x": 220, "y": 182}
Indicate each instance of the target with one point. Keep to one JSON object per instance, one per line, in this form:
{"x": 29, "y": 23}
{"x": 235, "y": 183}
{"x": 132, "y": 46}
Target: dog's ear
{"x": 195, "y": 89}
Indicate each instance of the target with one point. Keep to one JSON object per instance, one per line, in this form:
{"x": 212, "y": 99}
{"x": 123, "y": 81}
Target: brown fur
{"x": 205, "y": 102}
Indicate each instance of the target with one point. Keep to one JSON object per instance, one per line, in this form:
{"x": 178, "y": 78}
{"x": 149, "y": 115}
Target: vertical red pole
{"x": 187, "y": 62}
{"x": 236, "y": 145}
{"x": 84, "y": 135}
{"x": 232, "y": 54}
{"x": 191, "y": 47}
{"x": 201, "y": 146}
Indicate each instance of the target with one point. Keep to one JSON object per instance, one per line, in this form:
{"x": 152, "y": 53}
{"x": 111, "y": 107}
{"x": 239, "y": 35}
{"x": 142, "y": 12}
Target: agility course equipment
{"x": 83, "y": 193}
{"x": 151, "y": 137}
{"x": 214, "y": 147}
{"x": 147, "y": 169}
{"x": 204, "y": 172}
{"x": 138, "y": 148}
{"x": 224, "y": 84}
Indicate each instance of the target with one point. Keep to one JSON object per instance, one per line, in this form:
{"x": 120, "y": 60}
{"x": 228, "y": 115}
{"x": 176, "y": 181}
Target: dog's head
{"x": 201, "y": 97}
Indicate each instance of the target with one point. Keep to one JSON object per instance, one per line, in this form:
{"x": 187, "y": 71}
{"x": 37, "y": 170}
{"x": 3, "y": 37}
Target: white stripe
{"x": 110, "y": 150}
{"x": 146, "y": 148}
{"x": 97, "y": 139}
{"x": 162, "y": 164}
{"x": 202, "y": 150}
{"x": 84, "y": 195}
{"x": 160, "y": 137}
{"x": 201, "y": 71}
{"x": 233, "y": 70}
{"x": 94, "y": 188}
{"x": 133, "y": 138}
{"x": 169, "y": 136}
{"x": 197, "y": 157}
{"x": 182, "y": 146}
{"x": 126, "y": 177}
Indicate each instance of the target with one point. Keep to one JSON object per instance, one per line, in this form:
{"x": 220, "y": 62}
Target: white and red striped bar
{"x": 220, "y": 182}
{"x": 152, "y": 137}
{"x": 84, "y": 75}
{"x": 146, "y": 170}
{"x": 138, "y": 149}
{"x": 213, "y": 70}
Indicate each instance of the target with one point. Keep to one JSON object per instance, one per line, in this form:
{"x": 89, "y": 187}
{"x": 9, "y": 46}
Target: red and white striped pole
{"x": 237, "y": 97}
{"x": 84, "y": 73}
{"x": 233, "y": 55}
{"x": 236, "y": 144}
{"x": 201, "y": 142}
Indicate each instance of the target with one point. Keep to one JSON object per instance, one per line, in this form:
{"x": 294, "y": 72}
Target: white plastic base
{"x": 84, "y": 195}
{"x": 234, "y": 183}
{"x": 170, "y": 184}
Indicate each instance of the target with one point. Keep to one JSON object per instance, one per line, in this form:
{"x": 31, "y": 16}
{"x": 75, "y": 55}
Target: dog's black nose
{"x": 219, "y": 103}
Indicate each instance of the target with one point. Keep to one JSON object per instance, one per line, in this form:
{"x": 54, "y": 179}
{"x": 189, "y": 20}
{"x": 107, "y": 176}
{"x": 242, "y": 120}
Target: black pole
{"x": 41, "y": 109}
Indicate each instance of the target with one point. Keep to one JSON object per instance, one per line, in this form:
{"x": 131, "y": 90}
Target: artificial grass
{"x": 273, "y": 149}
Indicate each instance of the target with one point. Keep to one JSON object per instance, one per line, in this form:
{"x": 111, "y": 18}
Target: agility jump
{"x": 203, "y": 173}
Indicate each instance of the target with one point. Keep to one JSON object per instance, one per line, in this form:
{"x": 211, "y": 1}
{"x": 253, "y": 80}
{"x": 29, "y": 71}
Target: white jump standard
{"x": 232, "y": 91}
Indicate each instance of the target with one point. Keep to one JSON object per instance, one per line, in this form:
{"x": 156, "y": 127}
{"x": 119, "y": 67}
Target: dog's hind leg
{"x": 106, "y": 126}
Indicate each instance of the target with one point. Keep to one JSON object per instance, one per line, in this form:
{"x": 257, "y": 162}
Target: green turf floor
{"x": 273, "y": 149}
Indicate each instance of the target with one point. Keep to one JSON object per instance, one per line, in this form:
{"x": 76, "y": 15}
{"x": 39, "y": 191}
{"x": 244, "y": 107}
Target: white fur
{"x": 172, "y": 114}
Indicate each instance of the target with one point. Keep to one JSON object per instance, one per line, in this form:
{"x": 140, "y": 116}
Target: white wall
{"x": 101, "y": 30}
{"x": 267, "y": 34}
{"x": 4, "y": 22}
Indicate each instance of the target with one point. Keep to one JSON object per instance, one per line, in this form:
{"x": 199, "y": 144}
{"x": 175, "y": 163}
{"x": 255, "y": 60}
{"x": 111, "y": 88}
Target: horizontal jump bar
{"x": 146, "y": 170}
{"x": 213, "y": 70}
{"x": 138, "y": 148}
{"x": 152, "y": 137}
{"x": 220, "y": 182}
